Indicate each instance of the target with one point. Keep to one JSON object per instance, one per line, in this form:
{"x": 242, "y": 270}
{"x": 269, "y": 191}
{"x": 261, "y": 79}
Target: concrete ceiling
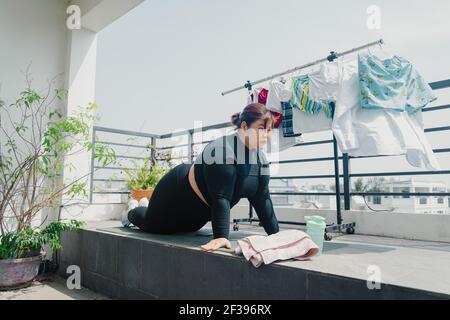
{"x": 98, "y": 14}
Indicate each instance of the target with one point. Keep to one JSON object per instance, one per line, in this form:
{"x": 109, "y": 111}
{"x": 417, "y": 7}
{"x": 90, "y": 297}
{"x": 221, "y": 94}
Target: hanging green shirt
{"x": 391, "y": 83}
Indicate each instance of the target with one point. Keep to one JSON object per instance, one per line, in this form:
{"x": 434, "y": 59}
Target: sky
{"x": 163, "y": 66}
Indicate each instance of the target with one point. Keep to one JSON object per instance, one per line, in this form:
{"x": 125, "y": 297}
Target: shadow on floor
{"x": 352, "y": 248}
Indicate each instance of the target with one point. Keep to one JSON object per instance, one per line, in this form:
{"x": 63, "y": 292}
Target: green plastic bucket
{"x": 315, "y": 228}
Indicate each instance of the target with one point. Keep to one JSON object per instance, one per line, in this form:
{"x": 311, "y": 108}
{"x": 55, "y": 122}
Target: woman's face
{"x": 258, "y": 136}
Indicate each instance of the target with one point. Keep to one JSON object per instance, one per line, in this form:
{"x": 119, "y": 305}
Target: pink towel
{"x": 287, "y": 244}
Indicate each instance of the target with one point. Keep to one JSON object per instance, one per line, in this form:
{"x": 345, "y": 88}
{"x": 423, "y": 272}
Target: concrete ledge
{"x": 414, "y": 226}
{"x": 129, "y": 264}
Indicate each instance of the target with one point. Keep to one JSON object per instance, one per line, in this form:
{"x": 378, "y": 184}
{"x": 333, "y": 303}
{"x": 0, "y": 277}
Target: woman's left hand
{"x": 216, "y": 244}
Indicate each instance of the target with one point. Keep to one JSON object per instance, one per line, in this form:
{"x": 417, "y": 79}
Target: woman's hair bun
{"x": 236, "y": 119}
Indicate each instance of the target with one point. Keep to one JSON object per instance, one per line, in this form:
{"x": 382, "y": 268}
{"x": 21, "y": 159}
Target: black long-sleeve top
{"x": 227, "y": 171}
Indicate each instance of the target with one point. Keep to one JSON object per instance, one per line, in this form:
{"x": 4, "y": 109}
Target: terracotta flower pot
{"x": 18, "y": 273}
{"x": 139, "y": 194}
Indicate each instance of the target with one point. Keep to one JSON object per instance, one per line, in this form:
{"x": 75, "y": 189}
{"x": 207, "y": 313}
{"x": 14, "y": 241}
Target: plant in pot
{"x": 141, "y": 179}
{"x": 21, "y": 252}
{"x": 36, "y": 137}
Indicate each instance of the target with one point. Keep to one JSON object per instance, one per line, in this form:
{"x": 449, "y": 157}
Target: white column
{"x": 80, "y": 82}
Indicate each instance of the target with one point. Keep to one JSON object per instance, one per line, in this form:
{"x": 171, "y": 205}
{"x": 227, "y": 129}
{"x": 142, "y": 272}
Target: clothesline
{"x": 372, "y": 104}
{"x": 333, "y": 55}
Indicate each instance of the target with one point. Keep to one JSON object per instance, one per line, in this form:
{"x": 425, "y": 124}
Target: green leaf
{"x": 21, "y": 128}
{"x": 28, "y": 242}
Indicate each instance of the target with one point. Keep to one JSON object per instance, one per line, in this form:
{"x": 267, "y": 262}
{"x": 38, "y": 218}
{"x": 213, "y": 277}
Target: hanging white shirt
{"x": 302, "y": 122}
{"x": 278, "y": 92}
{"x": 374, "y": 132}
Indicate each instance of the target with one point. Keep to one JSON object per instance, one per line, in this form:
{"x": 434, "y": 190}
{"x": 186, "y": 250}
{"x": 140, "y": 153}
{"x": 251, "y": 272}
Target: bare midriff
{"x": 194, "y": 186}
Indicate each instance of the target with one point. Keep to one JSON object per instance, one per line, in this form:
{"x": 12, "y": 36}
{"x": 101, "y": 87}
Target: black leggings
{"x": 174, "y": 206}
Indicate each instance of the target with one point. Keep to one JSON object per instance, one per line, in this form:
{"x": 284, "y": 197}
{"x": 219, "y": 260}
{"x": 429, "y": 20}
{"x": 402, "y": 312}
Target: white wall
{"x": 31, "y": 31}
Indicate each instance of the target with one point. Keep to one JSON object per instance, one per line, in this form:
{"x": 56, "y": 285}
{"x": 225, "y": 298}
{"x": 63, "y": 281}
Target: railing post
{"x": 336, "y": 181}
{"x": 152, "y": 150}
{"x": 346, "y": 168}
{"x": 91, "y": 182}
{"x": 190, "y": 146}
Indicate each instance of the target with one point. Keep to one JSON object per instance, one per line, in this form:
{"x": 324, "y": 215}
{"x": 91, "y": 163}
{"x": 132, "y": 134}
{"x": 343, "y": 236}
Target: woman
{"x": 228, "y": 169}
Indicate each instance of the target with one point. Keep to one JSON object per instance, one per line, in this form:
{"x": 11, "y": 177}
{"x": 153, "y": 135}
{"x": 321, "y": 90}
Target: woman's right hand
{"x": 216, "y": 244}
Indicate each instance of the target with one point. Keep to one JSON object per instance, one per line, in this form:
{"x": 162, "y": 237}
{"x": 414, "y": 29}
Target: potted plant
{"x": 21, "y": 252}
{"x": 142, "y": 179}
{"x": 36, "y": 138}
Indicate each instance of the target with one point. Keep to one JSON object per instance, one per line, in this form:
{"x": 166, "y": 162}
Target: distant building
{"x": 400, "y": 203}
{"x": 301, "y": 201}
{"x": 283, "y": 185}
{"x": 317, "y": 201}
{"x": 406, "y": 203}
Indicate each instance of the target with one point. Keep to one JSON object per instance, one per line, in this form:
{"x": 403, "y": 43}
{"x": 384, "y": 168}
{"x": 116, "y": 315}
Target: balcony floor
{"x": 51, "y": 288}
{"x": 409, "y": 269}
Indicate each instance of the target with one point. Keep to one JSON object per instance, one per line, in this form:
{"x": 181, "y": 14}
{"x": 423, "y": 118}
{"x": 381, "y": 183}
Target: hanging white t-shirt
{"x": 302, "y": 122}
{"x": 323, "y": 85}
{"x": 278, "y": 92}
{"x": 280, "y": 143}
{"x": 305, "y": 122}
{"x": 253, "y": 95}
{"x": 374, "y": 132}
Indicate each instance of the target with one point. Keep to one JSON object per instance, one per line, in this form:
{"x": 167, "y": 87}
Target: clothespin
{"x": 248, "y": 85}
{"x": 332, "y": 56}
